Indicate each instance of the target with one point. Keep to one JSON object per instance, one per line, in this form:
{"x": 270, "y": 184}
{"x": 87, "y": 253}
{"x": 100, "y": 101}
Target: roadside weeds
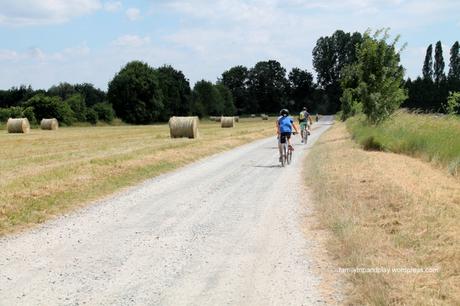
{"x": 393, "y": 221}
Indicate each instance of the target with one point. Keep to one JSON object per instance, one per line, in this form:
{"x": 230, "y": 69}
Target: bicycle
{"x": 286, "y": 151}
{"x": 304, "y": 133}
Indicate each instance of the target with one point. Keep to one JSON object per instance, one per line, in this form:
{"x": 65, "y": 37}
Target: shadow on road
{"x": 267, "y": 166}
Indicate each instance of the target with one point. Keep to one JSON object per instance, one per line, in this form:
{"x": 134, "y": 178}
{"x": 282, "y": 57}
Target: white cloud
{"x": 36, "y": 54}
{"x": 32, "y": 12}
{"x": 133, "y": 14}
{"x": 112, "y": 6}
{"x": 131, "y": 41}
{"x": 221, "y": 33}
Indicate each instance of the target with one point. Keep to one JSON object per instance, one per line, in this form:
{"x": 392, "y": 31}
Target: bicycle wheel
{"x": 283, "y": 156}
{"x": 305, "y": 139}
{"x": 289, "y": 157}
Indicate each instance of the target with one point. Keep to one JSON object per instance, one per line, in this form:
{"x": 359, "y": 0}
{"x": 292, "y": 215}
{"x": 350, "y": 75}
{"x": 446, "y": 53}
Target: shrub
{"x": 28, "y": 112}
{"x": 16, "y": 112}
{"x": 350, "y": 107}
{"x": 104, "y": 111}
{"x": 371, "y": 144}
{"x": 5, "y": 113}
{"x": 452, "y": 105}
{"x": 77, "y": 104}
{"x": 91, "y": 116}
{"x": 51, "y": 107}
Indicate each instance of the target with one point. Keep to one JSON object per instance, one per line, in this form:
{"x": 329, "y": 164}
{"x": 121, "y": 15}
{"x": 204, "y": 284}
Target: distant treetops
{"x": 355, "y": 73}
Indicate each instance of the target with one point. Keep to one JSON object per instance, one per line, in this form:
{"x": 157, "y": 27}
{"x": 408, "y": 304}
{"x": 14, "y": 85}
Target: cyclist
{"x": 284, "y": 126}
{"x": 304, "y": 119}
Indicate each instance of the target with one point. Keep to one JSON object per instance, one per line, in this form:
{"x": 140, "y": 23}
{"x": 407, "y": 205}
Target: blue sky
{"x": 50, "y": 41}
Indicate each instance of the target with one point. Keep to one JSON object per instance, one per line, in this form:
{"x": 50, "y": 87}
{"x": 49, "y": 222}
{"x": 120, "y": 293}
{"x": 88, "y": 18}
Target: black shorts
{"x": 285, "y": 135}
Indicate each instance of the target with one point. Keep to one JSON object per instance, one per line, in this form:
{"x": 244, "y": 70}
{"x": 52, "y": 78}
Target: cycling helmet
{"x": 284, "y": 112}
{"x": 304, "y": 108}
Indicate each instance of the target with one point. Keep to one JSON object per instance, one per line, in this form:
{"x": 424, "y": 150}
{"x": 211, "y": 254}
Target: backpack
{"x": 302, "y": 116}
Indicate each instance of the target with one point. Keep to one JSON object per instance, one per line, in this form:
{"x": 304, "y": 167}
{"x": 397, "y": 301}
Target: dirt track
{"x": 226, "y": 230}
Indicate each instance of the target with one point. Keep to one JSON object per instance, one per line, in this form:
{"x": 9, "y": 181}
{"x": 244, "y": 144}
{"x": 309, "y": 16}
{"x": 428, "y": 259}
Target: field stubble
{"x": 43, "y": 173}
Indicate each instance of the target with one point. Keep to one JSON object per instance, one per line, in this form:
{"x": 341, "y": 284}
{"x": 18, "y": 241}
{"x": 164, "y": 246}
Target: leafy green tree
{"x": 51, "y": 107}
{"x": 78, "y": 106}
{"x": 229, "y": 108}
{"x": 439, "y": 65}
{"x": 236, "y": 79}
{"x": 379, "y": 76}
{"x": 176, "y": 92}
{"x": 301, "y": 88}
{"x": 90, "y": 94}
{"x": 350, "y": 96}
{"x": 104, "y": 111}
{"x": 267, "y": 86}
{"x": 15, "y": 96}
{"x": 135, "y": 94}
{"x": 206, "y": 100}
{"x": 330, "y": 55}
{"x": 63, "y": 90}
{"x": 427, "y": 70}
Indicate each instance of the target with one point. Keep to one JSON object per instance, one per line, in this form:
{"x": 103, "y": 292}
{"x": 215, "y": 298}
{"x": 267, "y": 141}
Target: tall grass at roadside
{"x": 430, "y": 137}
{"x": 387, "y": 211}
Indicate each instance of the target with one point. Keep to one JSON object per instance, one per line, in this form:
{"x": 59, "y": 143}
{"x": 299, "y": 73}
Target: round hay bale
{"x": 218, "y": 119}
{"x": 49, "y": 124}
{"x": 227, "y": 122}
{"x": 212, "y": 118}
{"x": 18, "y": 125}
{"x": 183, "y": 127}
{"x": 237, "y": 118}
{"x": 253, "y": 115}
{"x": 264, "y": 117}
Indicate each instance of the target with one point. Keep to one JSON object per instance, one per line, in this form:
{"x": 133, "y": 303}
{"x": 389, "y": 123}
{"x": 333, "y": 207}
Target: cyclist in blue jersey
{"x": 284, "y": 126}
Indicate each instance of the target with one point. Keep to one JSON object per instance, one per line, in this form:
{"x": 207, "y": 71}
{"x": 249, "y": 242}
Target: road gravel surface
{"x": 226, "y": 230}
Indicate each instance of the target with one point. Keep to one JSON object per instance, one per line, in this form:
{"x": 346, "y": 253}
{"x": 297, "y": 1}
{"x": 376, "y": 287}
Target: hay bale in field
{"x": 237, "y": 118}
{"x": 18, "y": 125}
{"x": 264, "y": 117}
{"x": 183, "y": 127}
{"x": 218, "y": 119}
{"x": 49, "y": 124}
{"x": 227, "y": 122}
{"x": 253, "y": 115}
{"x": 212, "y": 118}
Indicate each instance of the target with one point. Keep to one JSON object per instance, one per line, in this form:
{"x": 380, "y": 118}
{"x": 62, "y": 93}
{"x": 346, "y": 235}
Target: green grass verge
{"x": 432, "y": 138}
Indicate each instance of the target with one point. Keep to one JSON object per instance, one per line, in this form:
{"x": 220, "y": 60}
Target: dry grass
{"x": 44, "y": 173}
{"x": 388, "y": 211}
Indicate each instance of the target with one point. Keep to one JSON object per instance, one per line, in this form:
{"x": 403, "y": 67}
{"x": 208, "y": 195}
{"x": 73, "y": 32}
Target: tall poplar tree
{"x": 454, "y": 66}
{"x": 428, "y": 64}
{"x": 438, "y": 64}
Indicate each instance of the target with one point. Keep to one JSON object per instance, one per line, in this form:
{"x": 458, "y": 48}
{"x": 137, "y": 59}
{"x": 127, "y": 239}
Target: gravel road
{"x": 225, "y": 230}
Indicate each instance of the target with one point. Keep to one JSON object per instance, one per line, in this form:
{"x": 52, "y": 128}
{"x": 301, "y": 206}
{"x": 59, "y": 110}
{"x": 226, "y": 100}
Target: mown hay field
{"x": 45, "y": 173}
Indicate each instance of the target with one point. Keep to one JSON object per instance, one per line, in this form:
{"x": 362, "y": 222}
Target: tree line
{"x": 354, "y": 72}
{"x": 430, "y": 91}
